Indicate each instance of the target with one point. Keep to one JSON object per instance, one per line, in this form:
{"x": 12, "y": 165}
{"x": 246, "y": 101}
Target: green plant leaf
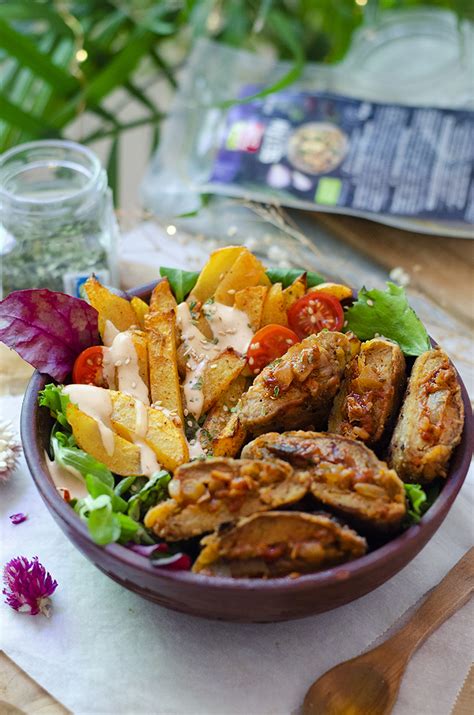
{"x": 113, "y": 168}
{"x": 96, "y": 487}
{"x": 53, "y": 397}
{"x": 388, "y": 313}
{"x": 181, "y": 282}
{"x": 103, "y": 525}
{"x": 287, "y": 276}
{"x": 22, "y": 47}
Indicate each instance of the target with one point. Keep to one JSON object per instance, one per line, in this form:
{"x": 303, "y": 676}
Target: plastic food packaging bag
{"x": 312, "y": 145}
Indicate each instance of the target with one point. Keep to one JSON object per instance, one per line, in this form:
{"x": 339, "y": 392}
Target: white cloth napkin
{"x": 106, "y": 651}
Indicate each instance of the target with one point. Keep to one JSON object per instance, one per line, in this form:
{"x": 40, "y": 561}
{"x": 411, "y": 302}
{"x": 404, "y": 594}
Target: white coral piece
{"x": 9, "y": 451}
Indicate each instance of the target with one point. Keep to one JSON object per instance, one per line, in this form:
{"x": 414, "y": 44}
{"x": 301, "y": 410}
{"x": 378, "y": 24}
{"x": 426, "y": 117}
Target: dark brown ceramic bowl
{"x": 242, "y": 600}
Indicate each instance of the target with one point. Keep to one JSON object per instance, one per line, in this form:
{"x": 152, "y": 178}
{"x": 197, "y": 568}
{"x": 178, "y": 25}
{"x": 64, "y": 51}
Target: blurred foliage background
{"x": 60, "y": 59}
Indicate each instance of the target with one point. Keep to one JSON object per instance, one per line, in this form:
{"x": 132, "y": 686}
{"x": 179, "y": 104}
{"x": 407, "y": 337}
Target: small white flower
{"x": 9, "y": 451}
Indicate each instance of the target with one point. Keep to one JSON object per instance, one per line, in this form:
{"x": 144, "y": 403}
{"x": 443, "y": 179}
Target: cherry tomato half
{"x": 87, "y": 369}
{"x": 269, "y": 343}
{"x": 314, "y": 312}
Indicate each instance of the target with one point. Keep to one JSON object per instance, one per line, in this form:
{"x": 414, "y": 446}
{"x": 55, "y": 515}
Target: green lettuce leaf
{"x": 181, "y": 282}
{"x": 154, "y": 491}
{"x": 96, "y": 487}
{"x": 388, "y": 313}
{"x": 56, "y": 401}
{"x": 68, "y": 455}
{"x": 286, "y": 276}
{"x": 419, "y": 500}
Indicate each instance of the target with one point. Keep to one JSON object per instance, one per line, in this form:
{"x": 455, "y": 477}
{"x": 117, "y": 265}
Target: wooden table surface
{"x": 441, "y": 268}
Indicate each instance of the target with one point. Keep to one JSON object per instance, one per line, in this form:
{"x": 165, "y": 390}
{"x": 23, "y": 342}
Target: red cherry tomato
{"x": 314, "y": 312}
{"x": 87, "y": 369}
{"x": 267, "y": 344}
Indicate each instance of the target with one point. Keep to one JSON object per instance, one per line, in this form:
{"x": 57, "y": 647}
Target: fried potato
{"x": 219, "y": 416}
{"x": 251, "y": 300}
{"x": 370, "y": 393}
{"x": 278, "y": 544}
{"x": 125, "y": 459}
{"x": 141, "y": 310}
{"x": 162, "y": 299}
{"x": 431, "y": 420}
{"x": 339, "y": 291}
{"x": 295, "y": 291}
{"x": 218, "y": 265}
{"x": 164, "y": 378}
{"x": 110, "y": 307}
{"x": 228, "y": 443}
{"x": 217, "y": 379}
{"x": 163, "y": 434}
{"x": 205, "y": 494}
{"x": 246, "y": 271}
{"x": 274, "y": 311}
{"x": 345, "y": 475}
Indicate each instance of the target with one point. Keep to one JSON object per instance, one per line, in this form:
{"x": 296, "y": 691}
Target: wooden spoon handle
{"x": 451, "y": 593}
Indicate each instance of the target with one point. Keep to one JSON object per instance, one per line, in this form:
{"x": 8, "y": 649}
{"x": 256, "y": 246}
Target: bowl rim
{"x": 400, "y": 545}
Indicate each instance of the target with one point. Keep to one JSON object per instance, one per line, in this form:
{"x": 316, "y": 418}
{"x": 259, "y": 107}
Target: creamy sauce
{"x": 121, "y": 357}
{"x": 230, "y": 329}
{"x": 66, "y": 478}
{"x": 95, "y": 402}
{"x": 195, "y": 447}
{"x": 110, "y": 333}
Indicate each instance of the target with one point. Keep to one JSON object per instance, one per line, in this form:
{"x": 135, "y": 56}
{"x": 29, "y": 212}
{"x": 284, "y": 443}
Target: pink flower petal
{"x": 28, "y": 586}
{"x": 18, "y": 518}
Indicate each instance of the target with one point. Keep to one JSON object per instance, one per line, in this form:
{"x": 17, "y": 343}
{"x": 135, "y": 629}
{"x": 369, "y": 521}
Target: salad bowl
{"x": 224, "y": 598}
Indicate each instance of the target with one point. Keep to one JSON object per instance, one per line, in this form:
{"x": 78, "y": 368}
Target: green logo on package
{"x": 328, "y": 191}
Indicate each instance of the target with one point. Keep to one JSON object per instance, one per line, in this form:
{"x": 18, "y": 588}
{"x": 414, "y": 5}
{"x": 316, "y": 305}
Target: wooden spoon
{"x": 369, "y": 684}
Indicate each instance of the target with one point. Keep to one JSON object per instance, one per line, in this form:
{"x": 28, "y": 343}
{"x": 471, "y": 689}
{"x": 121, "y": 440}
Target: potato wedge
{"x": 218, "y": 265}
{"x": 230, "y": 441}
{"x": 125, "y": 459}
{"x": 246, "y": 271}
{"x": 141, "y": 309}
{"x": 295, "y": 291}
{"x": 217, "y": 379}
{"x": 110, "y": 307}
{"x": 220, "y": 414}
{"x": 163, "y": 434}
{"x": 251, "y": 300}
{"x": 338, "y": 290}
{"x": 164, "y": 378}
{"x": 274, "y": 307}
{"x": 162, "y": 299}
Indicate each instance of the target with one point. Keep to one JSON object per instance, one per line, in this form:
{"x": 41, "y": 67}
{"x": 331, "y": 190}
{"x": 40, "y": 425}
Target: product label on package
{"x": 345, "y": 153}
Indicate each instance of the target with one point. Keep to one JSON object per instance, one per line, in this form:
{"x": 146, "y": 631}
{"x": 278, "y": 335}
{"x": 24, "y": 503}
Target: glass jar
{"x": 57, "y": 224}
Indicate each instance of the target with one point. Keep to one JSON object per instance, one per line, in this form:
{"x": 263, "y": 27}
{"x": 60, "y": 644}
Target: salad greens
{"x": 286, "y": 276}
{"x": 181, "y": 282}
{"x": 419, "y": 500}
{"x": 388, "y": 313}
{"x": 56, "y": 401}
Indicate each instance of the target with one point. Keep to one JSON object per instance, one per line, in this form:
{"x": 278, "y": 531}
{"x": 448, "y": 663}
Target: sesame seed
{"x": 127, "y": 361}
{"x": 225, "y": 408}
{"x": 118, "y": 363}
{"x": 221, "y": 276}
{"x": 134, "y": 384}
{"x": 310, "y": 310}
{"x": 190, "y": 423}
{"x": 313, "y": 319}
{"x": 255, "y": 346}
{"x": 370, "y": 302}
{"x": 289, "y": 341}
{"x": 231, "y": 291}
{"x": 255, "y": 372}
{"x": 251, "y": 361}
{"x": 213, "y": 366}
{"x": 186, "y": 412}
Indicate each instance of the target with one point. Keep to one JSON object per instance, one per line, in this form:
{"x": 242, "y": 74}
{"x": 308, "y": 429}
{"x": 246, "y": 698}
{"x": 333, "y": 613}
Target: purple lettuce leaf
{"x": 48, "y": 329}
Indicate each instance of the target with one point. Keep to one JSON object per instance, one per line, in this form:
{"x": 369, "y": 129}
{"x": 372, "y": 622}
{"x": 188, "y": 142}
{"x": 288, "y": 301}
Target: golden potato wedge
{"x": 295, "y": 291}
{"x": 274, "y": 311}
{"x": 246, "y": 271}
{"x": 218, "y": 265}
{"x": 230, "y": 441}
{"x": 338, "y": 290}
{"x": 125, "y": 459}
{"x": 163, "y": 434}
{"x": 164, "y": 378}
{"x": 162, "y": 299}
{"x": 217, "y": 379}
{"x": 220, "y": 414}
{"x": 141, "y": 309}
{"x": 109, "y": 306}
{"x": 140, "y": 343}
{"x": 251, "y": 300}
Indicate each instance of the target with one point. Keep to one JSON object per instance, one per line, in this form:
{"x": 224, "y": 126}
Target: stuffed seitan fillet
{"x": 278, "y": 544}
{"x": 431, "y": 420}
{"x": 298, "y": 388}
{"x": 370, "y": 394}
{"x": 345, "y": 475}
{"x": 206, "y": 494}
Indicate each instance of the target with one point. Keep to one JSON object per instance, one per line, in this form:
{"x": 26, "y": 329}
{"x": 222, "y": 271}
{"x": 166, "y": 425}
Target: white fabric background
{"x": 106, "y": 651}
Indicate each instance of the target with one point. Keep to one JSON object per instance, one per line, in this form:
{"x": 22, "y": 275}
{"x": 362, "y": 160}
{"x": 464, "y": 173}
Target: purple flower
{"x": 28, "y": 586}
{"x": 18, "y": 518}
